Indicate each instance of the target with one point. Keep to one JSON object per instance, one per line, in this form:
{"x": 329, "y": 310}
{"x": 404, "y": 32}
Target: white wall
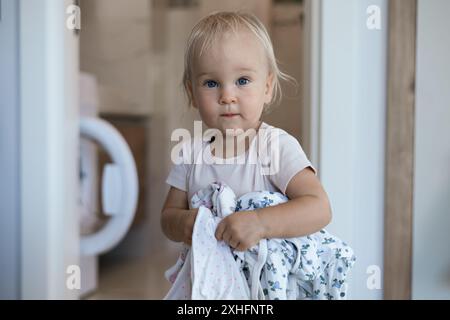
{"x": 351, "y": 131}
{"x": 431, "y": 208}
{"x": 48, "y": 149}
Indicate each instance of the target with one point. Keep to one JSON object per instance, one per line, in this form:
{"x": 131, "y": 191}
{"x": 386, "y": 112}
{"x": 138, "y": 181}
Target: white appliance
{"x": 119, "y": 185}
{"x": 48, "y": 243}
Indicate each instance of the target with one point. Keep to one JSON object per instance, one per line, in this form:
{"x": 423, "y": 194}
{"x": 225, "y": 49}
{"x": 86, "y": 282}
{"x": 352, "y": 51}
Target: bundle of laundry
{"x": 309, "y": 267}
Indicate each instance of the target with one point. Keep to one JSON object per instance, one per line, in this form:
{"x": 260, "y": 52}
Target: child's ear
{"x": 191, "y": 94}
{"x": 269, "y": 88}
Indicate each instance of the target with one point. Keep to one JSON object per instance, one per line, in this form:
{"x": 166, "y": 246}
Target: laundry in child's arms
{"x": 310, "y": 267}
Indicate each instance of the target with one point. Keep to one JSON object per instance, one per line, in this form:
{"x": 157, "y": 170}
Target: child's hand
{"x": 188, "y": 225}
{"x": 241, "y": 230}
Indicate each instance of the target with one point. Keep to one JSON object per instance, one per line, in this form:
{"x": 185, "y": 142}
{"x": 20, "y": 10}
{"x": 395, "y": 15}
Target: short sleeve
{"x": 178, "y": 175}
{"x": 292, "y": 160}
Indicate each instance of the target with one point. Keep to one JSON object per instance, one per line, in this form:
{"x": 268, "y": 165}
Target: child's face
{"x": 232, "y": 78}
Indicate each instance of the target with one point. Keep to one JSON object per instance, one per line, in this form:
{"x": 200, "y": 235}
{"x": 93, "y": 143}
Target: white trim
{"x": 311, "y": 81}
{"x": 49, "y": 149}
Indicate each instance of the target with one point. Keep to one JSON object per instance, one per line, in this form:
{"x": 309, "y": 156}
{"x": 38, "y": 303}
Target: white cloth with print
{"x": 208, "y": 270}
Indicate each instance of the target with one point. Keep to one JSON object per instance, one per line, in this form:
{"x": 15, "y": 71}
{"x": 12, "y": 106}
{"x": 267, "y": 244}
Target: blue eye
{"x": 210, "y": 83}
{"x": 243, "y": 81}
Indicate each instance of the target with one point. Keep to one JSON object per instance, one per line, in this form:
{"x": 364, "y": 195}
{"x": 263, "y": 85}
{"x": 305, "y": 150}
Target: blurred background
{"x": 371, "y": 110}
{"x": 140, "y": 84}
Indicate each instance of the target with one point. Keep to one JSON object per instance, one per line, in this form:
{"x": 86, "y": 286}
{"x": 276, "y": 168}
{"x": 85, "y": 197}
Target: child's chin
{"x": 232, "y": 130}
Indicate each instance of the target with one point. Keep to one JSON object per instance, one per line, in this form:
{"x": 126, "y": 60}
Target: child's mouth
{"x": 229, "y": 115}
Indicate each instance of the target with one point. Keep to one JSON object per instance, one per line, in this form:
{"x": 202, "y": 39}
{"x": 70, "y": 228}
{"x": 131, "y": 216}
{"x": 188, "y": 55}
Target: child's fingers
{"x": 233, "y": 243}
{"x": 219, "y": 231}
{"x": 227, "y": 236}
{"x": 240, "y": 247}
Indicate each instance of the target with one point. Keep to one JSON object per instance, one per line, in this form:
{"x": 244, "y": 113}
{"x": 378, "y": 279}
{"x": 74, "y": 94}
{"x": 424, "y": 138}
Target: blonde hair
{"x": 213, "y": 27}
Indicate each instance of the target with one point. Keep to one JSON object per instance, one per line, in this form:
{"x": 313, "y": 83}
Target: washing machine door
{"x": 119, "y": 186}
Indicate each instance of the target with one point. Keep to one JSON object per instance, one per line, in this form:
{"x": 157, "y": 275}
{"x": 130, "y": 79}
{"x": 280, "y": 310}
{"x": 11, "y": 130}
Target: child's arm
{"x": 177, "y": 221}
{"x": 307, "y": 211}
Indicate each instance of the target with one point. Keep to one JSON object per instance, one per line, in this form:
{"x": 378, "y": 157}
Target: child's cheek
{"x": 208, "y": 97}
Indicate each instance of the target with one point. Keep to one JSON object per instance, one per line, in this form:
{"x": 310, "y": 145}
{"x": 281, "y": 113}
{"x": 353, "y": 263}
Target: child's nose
{"x": 227, "y": 96}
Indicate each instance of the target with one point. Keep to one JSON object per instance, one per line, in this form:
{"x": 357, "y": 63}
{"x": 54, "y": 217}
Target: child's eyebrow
{"x": 238, "y": 69}
{"x": 203, "y": 74}
{"x": 247, "y": 69}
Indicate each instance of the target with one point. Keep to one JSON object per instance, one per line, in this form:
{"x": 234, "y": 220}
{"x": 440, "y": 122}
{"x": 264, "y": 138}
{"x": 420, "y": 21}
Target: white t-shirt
{"x": 245, "y": 173}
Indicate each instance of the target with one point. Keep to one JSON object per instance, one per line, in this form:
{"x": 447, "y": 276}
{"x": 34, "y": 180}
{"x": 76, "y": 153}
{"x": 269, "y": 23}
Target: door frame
{"x": 49, "y": 138}
{"x": 311, "y": 80}
{"x": 400, "y": 127}
{"x": 9, "y": 152}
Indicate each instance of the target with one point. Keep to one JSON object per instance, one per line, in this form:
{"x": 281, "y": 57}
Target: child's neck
{"x": 231, "y": 143}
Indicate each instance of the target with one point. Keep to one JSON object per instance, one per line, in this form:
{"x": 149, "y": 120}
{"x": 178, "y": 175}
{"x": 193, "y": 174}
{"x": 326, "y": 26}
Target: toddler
{"x": 231, "y": 77}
